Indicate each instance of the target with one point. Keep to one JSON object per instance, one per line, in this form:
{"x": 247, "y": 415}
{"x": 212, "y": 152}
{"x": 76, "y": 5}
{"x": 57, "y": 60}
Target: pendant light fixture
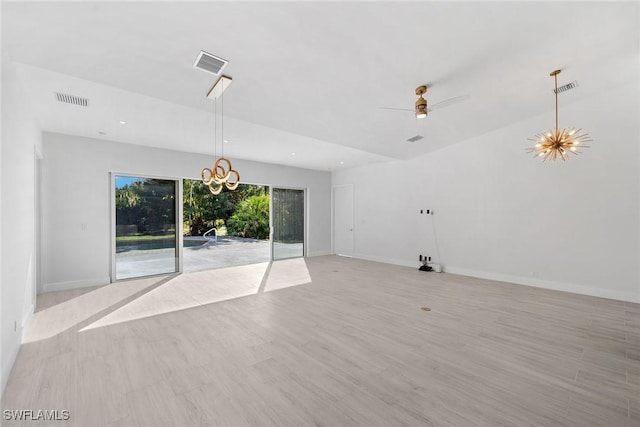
{"x": 222, "y": 174}
{"x": 558, "y": 143}
{"x": 421, "y": 104}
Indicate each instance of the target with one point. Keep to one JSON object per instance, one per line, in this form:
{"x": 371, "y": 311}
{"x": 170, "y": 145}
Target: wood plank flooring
{"x": 350, "y": 348}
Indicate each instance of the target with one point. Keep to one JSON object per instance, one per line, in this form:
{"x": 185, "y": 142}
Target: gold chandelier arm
{"x": 215, "y": 189}
{"x": 232, "y": 185}
{"x": 207, "y": 176}
{"x": 222, "y": 173}
{"x": 218, "y": 165}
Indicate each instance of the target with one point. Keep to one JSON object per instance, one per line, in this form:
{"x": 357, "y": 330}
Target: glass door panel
{"x": 288, "y": 223}
{"x": 145, "y": 227}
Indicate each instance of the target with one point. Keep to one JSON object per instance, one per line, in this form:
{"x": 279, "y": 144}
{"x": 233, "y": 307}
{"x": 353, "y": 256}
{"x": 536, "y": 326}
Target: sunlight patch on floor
{"x": 286, "y": 273}
{"x": 136, "y": 299}
{"x": 57, "y": 318}
{"x": 190, "y": 290}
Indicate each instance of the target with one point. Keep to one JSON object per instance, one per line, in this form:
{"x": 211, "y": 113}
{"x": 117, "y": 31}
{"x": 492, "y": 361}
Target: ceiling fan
{"x": 421, "y": 109}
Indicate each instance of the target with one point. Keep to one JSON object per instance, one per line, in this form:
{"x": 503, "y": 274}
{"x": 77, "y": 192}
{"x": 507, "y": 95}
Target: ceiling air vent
{"x": 209, "y": 63}
{"x": 72, "y": 99}
{"x": 415, "y": 138}
{"x": 567, "y": 87}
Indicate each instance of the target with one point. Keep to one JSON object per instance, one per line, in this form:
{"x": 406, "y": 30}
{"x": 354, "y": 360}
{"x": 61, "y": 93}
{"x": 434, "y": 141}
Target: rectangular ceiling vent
{"x": 567, "y": 87}
{"x": 72, "y": 99}
{"x": 415, "y": 138}
{"x": 209, "y": 63}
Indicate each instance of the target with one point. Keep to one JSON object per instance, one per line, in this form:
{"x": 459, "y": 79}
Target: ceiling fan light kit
{"x": 558, "y": 143}
{"x": 421, "y": 108}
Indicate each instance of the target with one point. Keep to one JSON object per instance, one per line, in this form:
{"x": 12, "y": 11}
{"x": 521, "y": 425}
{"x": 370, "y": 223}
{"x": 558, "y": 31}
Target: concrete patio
{"x": 227, "y": 251}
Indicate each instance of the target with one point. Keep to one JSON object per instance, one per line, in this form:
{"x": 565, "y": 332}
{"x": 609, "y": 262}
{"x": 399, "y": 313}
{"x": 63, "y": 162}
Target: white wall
{"x": 76, "y": 190}
{"x": 20, "y": 137}
{"x": 503, "y": 215}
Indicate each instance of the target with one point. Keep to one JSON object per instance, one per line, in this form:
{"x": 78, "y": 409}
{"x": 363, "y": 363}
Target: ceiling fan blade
{"x": 447, "y": 102}
{"x": 397, "y": 109}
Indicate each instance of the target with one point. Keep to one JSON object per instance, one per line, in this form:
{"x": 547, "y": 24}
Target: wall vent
{"x": 71, "y": 99}
{"x": 567, "y": 87}
{"x": 209, "y": 63}
{"x": 415, "y": 138}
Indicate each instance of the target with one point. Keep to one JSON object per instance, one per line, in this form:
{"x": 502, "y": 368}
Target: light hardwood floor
{"x": 352, "y": 347}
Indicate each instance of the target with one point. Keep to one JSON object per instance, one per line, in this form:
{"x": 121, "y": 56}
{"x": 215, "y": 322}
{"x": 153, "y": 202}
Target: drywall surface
{"x": 20, "y": 138}
{"x": 503, "y": 215}
{"x": 76, "y": 200}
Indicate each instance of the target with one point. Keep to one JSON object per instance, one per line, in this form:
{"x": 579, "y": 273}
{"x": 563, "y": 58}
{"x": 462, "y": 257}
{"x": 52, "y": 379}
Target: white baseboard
{"x": 546, "y": 284}
{"x": 76, "y": 284}
{"x": 319, "y": 253}
{"x": 519, "y": 280}
{"x": 386, "y": 260}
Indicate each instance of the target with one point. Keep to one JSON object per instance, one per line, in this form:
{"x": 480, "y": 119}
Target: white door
{"x": 343, "y": 219}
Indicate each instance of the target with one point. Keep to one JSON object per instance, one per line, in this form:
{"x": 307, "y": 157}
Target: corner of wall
{"x": 20, "y": 135}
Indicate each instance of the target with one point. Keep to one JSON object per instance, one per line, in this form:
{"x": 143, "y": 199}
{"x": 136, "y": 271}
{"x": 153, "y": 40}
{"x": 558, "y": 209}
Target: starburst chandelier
{"x": 558, "y": 143}
{"x": 222, "y": 174}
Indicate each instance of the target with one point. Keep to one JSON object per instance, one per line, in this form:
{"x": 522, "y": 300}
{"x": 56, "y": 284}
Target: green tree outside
{"x": 203, "y": 210}
{"x": 251, "y": 218}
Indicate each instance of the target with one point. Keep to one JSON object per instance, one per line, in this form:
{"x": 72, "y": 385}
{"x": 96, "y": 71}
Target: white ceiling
{"x": 309, "y": 77}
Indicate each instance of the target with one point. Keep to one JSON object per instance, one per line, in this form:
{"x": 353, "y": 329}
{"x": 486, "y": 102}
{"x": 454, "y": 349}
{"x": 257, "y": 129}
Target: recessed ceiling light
{"x": 225, "y": 141}
{"x": 293, "y": 154}
{"x": 342, "y": 163}
{"x": 122, "y": 122}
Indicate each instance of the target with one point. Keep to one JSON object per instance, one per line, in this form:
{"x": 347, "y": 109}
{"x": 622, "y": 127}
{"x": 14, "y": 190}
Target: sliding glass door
{"x": 146, "y": 242}
{"x": 287, "y": 222}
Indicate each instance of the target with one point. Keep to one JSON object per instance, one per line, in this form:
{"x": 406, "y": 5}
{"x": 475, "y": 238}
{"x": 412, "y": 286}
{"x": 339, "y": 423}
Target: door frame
{"x": 305, "y": 195}
{"x": 37, "y": 226}
{"x": 112, "y": 228}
